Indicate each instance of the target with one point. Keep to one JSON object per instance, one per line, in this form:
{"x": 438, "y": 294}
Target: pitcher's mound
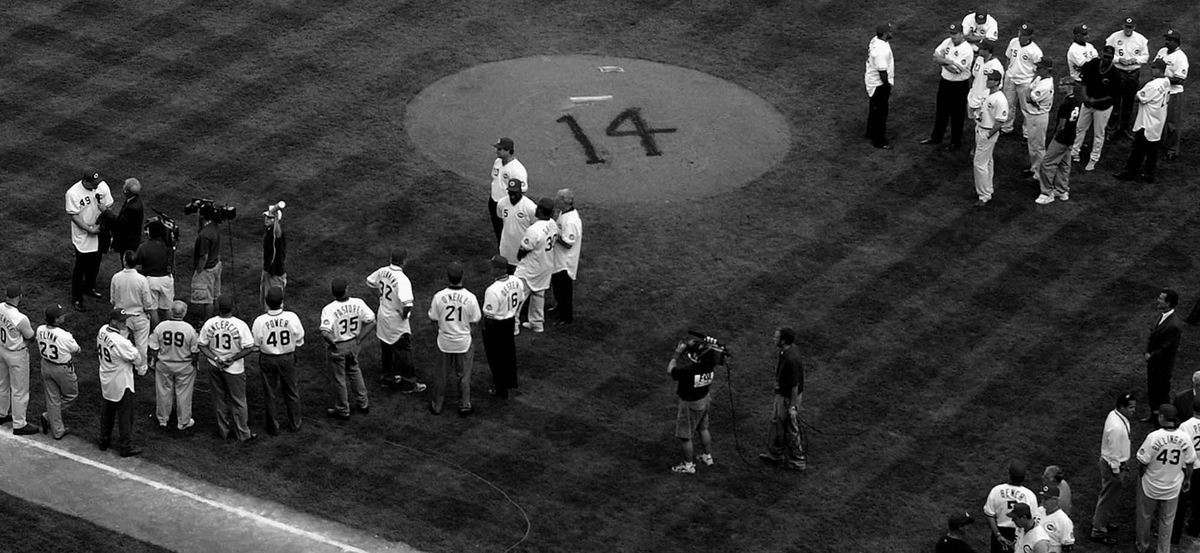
{"x": 613, "y": 129}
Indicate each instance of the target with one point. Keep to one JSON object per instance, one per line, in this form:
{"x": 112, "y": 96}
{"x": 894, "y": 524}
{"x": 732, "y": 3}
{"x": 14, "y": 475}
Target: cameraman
{"x": 783, "y": 438}
{"x": 693, "y": 367}
{"x": 206, "y": 276}
{"x": 156, "y": 261}
{"x": 274, "y": 252}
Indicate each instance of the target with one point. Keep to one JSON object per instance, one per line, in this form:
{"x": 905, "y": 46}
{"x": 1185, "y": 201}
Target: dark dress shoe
{"x": 498, "y": 393}
{"x": 363, "y": 410}
{"x": 27, "y": 430}
{"x": 465, "y": 411}
{"x": 103, "y": 445}
{"x": 1148, "y": 179}
{"x": 6, "y": 419}
{"x": 252, "y": 438}
{"x": 131, "y": 452}
{"x": 335, "y": 414}
{"x": 45, "y": 423}
{"x": 78, "y": 305}
{"x": 1122, "y": 175}
{"x": 884, "y": 146}
{"x": 929, "y": 141}
{"x": 94, "y": 294}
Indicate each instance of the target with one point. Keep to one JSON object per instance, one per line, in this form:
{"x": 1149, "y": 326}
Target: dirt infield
{"x": 615, "y": 129}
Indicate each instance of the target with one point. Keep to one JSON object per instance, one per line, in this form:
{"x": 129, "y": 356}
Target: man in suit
{"x": 1161, "y": 349}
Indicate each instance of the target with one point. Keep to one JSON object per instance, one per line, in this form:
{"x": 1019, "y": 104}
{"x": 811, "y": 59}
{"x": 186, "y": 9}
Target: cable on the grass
{"x": 737, "y": 443}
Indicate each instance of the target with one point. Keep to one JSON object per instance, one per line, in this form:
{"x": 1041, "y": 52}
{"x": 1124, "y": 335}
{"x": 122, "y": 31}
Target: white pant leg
{"x": 984, "y": 169}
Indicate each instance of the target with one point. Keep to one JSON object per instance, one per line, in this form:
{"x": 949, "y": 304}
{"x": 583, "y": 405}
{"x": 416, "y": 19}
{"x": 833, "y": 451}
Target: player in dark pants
{"x": 500, "y": 302}
{"x": 954, "y": 56}
{"x": 879, "y": 77}
{"x": 1189, "y": 501}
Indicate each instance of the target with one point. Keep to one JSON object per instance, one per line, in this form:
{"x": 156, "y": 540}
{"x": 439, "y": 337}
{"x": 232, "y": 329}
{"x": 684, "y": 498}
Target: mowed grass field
{"x": 941, "y": 341}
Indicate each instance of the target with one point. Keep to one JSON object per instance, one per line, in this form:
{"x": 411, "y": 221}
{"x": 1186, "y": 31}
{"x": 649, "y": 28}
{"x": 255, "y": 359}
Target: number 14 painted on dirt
{"x": 640, "y": 129}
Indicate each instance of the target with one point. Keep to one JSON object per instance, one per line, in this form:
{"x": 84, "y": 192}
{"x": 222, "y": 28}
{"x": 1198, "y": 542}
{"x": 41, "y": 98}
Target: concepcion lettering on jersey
{"x": 226, "y": 337}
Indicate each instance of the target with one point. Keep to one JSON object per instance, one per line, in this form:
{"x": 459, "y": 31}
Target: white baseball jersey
{"x": 502, "y": 173}
{"x": 1001, "y": 500}
{"x": 344, "y": 319}
{"x": 395, "y": 293}
{"x": 961, "y": 54}
{"x": 1177, "y": 66}
{"x": 1041, "y": 96}
{"x": 117, "y": 357}
{"x": 176, "y": 343}
{"x": 1058, "y": 526}
{"x": 538, "y": 264}
{"x": 1191, "y": 427}
{"x": 277, "y": 332}
{"x": 516, "y": 219}
{"x": 14, "y": 326}
{"x": 130, "y": 291}
{"x": 879, "y": 58}
{"x": 1165, "y": 453}
{"x": 503, "y": 298}
{"x": 979, "y": 70}
{"x": 226, "y": 337}
{"x": 994, "y": 110}
{"x": 1027, "y": 540}
{"x": 56, "y": 345}
{"x": 1077, "y": 55}
{"x": 570, "y": 230}
{"x": 454, "y": 309}
{"x": 1135, "y": 47}
{"x": 989, "y": 29}
{"x": 1022, "y": 60}
{"x": 86, "y": 203}
{"x": 1152, "y": 108}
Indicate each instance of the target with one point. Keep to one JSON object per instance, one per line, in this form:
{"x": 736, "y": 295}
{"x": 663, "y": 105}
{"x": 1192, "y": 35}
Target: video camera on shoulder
{"x": 169, "y": 228}
{"x": 210, "y": 210}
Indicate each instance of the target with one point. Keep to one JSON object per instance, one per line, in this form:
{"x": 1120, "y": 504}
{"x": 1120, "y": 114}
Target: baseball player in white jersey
{"x": 566, "y": 256}
{"x": 1080, "y": 51}
{"x": 15, "y": 332}
{"x": 1132, "y": 52}
{"x": 278, "y": 333}
{"x": 130, "y": 291}
{"x": 999, "y": 502}
{"x": 1177, "y": 71}
{"x": 393, "y": 325}
{"x": 345, "y": 323}
{"x": 225, "y": 340}
{"x": 506, "y": 168}
{"x": 174, "y": 346}
{"x": 1167, "y": 457}
{"x": 985, "y": 62}
{"x": 1188, "y": 513}
{"x": 85, "y": 200}
{"x": 536, "y": 262}
{"x": 501, "y": 302}
{"x": 453, "y": 310}
{"x": 953, "y": 56}
{"x": 992, "y": 115}
{"x": 1148, "y": 127}
{"x": 117, "y": 357}
{"x": 879, "y": 78}
{"x": 1023, "y": 54}
{"x": 518, "y": 212}
{"x": 57, "y": 349}
{"x": 979, "y": 26}
{"x": 1037, "y": 114}
{"x": 1060, "y": 531}
{"x": 1030, "y": 536}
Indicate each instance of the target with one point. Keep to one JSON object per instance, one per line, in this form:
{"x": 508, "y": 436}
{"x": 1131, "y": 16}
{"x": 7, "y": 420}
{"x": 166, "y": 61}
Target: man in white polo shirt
{"x": 84, "y": 202}
{"x": 15, "y": 333}
{"x": 130, "y": 292}
{"x": 1023, "y": 54}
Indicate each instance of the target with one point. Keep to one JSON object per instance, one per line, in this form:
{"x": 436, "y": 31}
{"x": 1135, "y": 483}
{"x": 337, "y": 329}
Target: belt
{"x": 1130, "y": 70}
{"x": 49, "y": 362}
{"x": 346, "y": 340}
{"x": 16, "y": 350}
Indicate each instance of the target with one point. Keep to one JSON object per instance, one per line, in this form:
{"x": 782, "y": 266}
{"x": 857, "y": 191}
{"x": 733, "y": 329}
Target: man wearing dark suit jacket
{"x": 1160, "y": 351}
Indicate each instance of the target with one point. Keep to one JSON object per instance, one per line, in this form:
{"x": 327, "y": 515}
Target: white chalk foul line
{"x": 184, "y": 493}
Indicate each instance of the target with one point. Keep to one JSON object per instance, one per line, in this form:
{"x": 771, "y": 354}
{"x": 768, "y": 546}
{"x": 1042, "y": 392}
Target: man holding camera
{"x": 157, "y": 260}
{"x": 85, "y": 200}
{"x": 693, "y": 367}
{"x": 783, "y": 438}
{"x": 206, "y": 276}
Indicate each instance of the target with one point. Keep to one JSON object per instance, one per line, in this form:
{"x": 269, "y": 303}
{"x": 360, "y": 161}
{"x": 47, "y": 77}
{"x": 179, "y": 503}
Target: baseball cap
{"x": 337, "y": 286}
{"x": 1026, "y": 29}
{"x": 91, "y": 177}
{"x": 958, "y": 520}
{"x": 1081, "y": 29}
{"x": 883, "y": 28}
{"x": 505, "y": 143}
{"x": 13, "y": 291}
{"x": 499, "y": 262}
{"x": 993, "y": 75}
{"x": 1020, "y": 510}
{"x": 1044, "y": 63}
{"x": 517, "y": 184}
{"x": 54, "y": 311}
{"x": 1168, "y": 412}
{"x": 546, "y": 204}
{"x": 1048, "y": 492}
{"x": 118, "y": 314}
{"x": 981, "y": 15}
{"x": 954, "y": 28}
{"x": 1172, "y": 33}
{"x": 1128, "y": 22}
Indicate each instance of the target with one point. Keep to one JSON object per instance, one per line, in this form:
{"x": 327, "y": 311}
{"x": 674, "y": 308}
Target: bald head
{"x": 132, "y": 186}
{"x": 564, "y": 199}
{"x": 178, "y": 310}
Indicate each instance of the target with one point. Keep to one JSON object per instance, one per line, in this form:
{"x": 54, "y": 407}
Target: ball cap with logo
{"x": 1020, "y": 510}
{"x": 1026, "y": 29}
{"x": 1128, "y": 22}
{"x": 959, "y": 519}
{"x": 1173, "y": 34}
{"x": 505, "y": 143}
{"x": 54, "y": 312}
{"x": 118, "y": 314}
{"x": 1081, "y": 29}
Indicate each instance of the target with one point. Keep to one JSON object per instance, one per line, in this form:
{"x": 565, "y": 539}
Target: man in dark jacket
{"x": 1161, "y": 349}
